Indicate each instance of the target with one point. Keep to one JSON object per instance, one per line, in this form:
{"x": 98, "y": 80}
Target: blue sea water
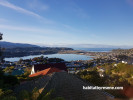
{"x": 66, "y": 57}
{"x": 95, "y": 49}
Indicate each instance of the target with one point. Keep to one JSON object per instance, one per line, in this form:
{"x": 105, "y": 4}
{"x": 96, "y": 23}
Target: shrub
{"x": 10, "y": 98}
{"x": 24, "y": 95}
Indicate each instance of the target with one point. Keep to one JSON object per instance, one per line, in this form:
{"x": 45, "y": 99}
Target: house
{"x": 45, "y": 72}
{"x": 17, "y": 72}
{"x": 115, "y": 65}
{"x": 124, "y": 62}
{"x": 101, "y": 71}
{"x": 40, "y": 67}
{"x": 101, "y": 74}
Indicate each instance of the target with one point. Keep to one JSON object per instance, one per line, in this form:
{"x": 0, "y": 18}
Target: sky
{"x": 60, "y": 22}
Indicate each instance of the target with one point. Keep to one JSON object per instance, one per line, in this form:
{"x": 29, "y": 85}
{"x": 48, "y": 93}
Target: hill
{"x": 5, "y": 44}
{"x": 20, "y": 49}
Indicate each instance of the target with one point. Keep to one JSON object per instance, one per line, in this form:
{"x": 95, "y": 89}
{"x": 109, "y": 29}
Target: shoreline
{"x": 66, "y": 57}
{"x": 92, "y": 55}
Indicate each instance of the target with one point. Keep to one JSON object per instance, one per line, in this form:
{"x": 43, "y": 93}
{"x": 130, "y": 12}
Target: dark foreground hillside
{"x": 64, "y": 85}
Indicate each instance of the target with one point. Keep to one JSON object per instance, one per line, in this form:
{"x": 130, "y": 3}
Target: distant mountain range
{"x": 4, "y": 44}
{"x": 79, "y": 46}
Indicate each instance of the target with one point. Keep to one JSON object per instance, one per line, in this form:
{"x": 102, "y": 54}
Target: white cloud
{"x": 33, "y": 29}
{"x": 81, "y": 13}
{"x": 22, "y": 10}
{"x": 78, "y": 10}
{"x": 71, "y": 28}
{"x": 19, "y": 9}
{"x": 37, "y": 5}
{"x": 3, "y": 20}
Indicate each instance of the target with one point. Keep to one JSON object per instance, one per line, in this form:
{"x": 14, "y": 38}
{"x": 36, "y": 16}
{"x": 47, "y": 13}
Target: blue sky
{"x": 54, "y": 22}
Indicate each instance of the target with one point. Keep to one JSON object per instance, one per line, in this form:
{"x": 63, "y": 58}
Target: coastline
{"x": 66, "y": 57}
{"x": 92, "y": 55}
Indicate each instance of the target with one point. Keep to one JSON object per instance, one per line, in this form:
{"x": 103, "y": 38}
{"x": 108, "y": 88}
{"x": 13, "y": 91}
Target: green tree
{"x": 59, "y": 98}
{"x": 35, "y": 94}
{"x": 9, "y": 98}
{"x": 24, "y": 95}
{"x": 1, "y": 93}
{"x": 9, "y": 69}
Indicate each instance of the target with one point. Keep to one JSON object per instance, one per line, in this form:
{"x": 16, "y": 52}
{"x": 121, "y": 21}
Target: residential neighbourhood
{"x": 72, "y": 66}
{"x": 66, "y": 50}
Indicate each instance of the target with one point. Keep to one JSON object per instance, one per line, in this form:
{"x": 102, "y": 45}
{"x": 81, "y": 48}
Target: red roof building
{"x": 43, "y": 69}
{"x": 45, "y": 72}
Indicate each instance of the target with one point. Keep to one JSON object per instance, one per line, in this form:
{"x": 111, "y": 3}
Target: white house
{"x": 124, "y": 62}
{"x": 32, "y": 70}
